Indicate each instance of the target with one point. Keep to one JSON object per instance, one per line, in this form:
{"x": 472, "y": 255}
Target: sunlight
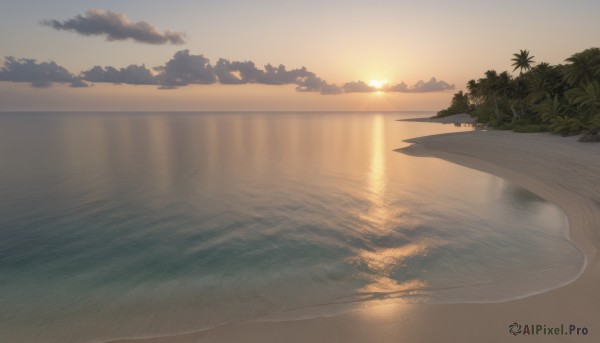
{"x": 378, "y": 84}
{"x": 383, "y": 262}
{"x": 377, "y": 165}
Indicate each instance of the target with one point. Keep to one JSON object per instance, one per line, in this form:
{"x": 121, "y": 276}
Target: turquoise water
{"x": 140, "y": 224}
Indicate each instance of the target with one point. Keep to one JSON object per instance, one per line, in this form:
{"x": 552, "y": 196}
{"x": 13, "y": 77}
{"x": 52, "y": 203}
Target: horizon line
{"x": 210, "y": 111}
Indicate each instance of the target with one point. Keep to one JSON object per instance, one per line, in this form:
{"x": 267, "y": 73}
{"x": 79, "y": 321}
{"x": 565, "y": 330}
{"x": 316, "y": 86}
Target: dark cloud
{"x": 134, "y": 75}
{"x": 330, "y": 89}
{"x": 402, "y": 87}
{"x": 309, "y": 83}
{"x": 231, "y": 73}
{"x": 40, "y": 75}
{"x": 78, "y": 83}
{"x": 235, "y": 73}
{"x": 421, "y": 86}
{"x": 184, "y": 69}
{"x": 281, "y": 76}
{"x": 115, "y": 26}
{"x": 358, "y": 87}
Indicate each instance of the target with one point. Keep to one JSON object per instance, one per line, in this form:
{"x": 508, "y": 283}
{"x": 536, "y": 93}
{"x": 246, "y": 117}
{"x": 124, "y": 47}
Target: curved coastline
{"x": 558, "y": 169}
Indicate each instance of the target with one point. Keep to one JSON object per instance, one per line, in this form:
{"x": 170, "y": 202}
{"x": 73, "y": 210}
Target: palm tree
{"x": 505, "y": 80}
{"x": 538, "y": 87}
{"x": 565, "y": 98}
{"x": 475, "y": 93}
{"x": 522, "y": 60}
{"x": 549, "y": 109}
{"x": 512, "y": 92}
{"x": 566, "y": 125}
{"x": 541, "y": 81}
{"x": 584, "y": 67}
{"x": 520, "y": 91}
{"x": 587, "y": 95}
{"x": 491, "y": 88}
{"x": 587, "y": 99}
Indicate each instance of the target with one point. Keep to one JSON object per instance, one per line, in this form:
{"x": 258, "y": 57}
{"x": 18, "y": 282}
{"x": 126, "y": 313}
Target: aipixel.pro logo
{"x": 516, "y": 329}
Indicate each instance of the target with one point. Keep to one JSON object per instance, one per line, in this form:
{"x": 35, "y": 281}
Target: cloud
{"x": 133, "y": 75}
{"x": 421, "y": 86}
{"x": 281, "y": 76}
{"x": 184, "y": 69}
{"x": 78, "y": 83}
{"x": 40, "y": 75}
{"x": 330, "y": 89}
{"x": 310, "y": 83}
{"x": 115, "y": 26}
{"x": 401, "y": 87}
{"x": 234, "y": 73}
{"x": 358, "y": 87}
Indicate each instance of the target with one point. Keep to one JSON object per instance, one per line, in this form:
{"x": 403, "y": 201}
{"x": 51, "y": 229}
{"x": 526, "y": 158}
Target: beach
{"x": 328, "y": 171}
{"x": 462, "y": 118}
{"x": 558, "y": 169}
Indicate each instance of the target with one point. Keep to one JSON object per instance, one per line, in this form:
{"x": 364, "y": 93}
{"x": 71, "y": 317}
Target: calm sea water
{"x": 140, "y": 224}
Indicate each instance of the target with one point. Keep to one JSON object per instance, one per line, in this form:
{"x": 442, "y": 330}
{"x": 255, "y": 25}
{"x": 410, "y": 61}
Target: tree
{"x": 519, "y": 91}
{"x": 491, "y": 88}
{"x": 475, "y": 92}
{"x": 584, "y": 67}
{"x": 565, "y": 125}
{"x": 543, "y": 82}
{"x": 549, "y": 109}
{"x": 586, "y": 96}
{"x": 587, "y": 99}
{"x": 460, "y": 104}
{"x": 564, "y": 98}
{"x": 522, "y": 60}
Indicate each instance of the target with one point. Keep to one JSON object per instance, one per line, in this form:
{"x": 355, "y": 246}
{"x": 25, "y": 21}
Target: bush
{"x": 505, "y": 126}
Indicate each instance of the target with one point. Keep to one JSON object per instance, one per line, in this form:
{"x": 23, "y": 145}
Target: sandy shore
{"x": 462, "y": 118}
{"x": 560, "y": 170}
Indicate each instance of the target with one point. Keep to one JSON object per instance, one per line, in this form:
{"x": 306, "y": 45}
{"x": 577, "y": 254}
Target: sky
{"x": 235, "y": 55}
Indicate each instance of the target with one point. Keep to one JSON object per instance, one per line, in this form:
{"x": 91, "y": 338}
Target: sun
{"x": 377, "y": 84}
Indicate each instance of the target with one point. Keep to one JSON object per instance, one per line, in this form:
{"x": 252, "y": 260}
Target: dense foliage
{"x": 564, "y": 99}
{"x": 460, "y": 104}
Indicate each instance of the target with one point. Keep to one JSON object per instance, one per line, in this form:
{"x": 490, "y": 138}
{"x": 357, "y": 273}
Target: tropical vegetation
{"x": 563, "y": 99}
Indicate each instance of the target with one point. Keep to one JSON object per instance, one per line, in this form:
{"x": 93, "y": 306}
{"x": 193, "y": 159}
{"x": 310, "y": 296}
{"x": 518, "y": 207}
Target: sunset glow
{"x": 378, "y": 84}
{"x": 120, "y": 56}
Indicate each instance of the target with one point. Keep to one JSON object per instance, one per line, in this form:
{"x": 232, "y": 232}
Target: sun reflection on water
{"x": 381, "y": 218}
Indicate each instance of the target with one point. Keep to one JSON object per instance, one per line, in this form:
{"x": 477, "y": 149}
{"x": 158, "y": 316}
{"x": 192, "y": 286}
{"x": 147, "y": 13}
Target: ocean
{"x": 141, "y": 224}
